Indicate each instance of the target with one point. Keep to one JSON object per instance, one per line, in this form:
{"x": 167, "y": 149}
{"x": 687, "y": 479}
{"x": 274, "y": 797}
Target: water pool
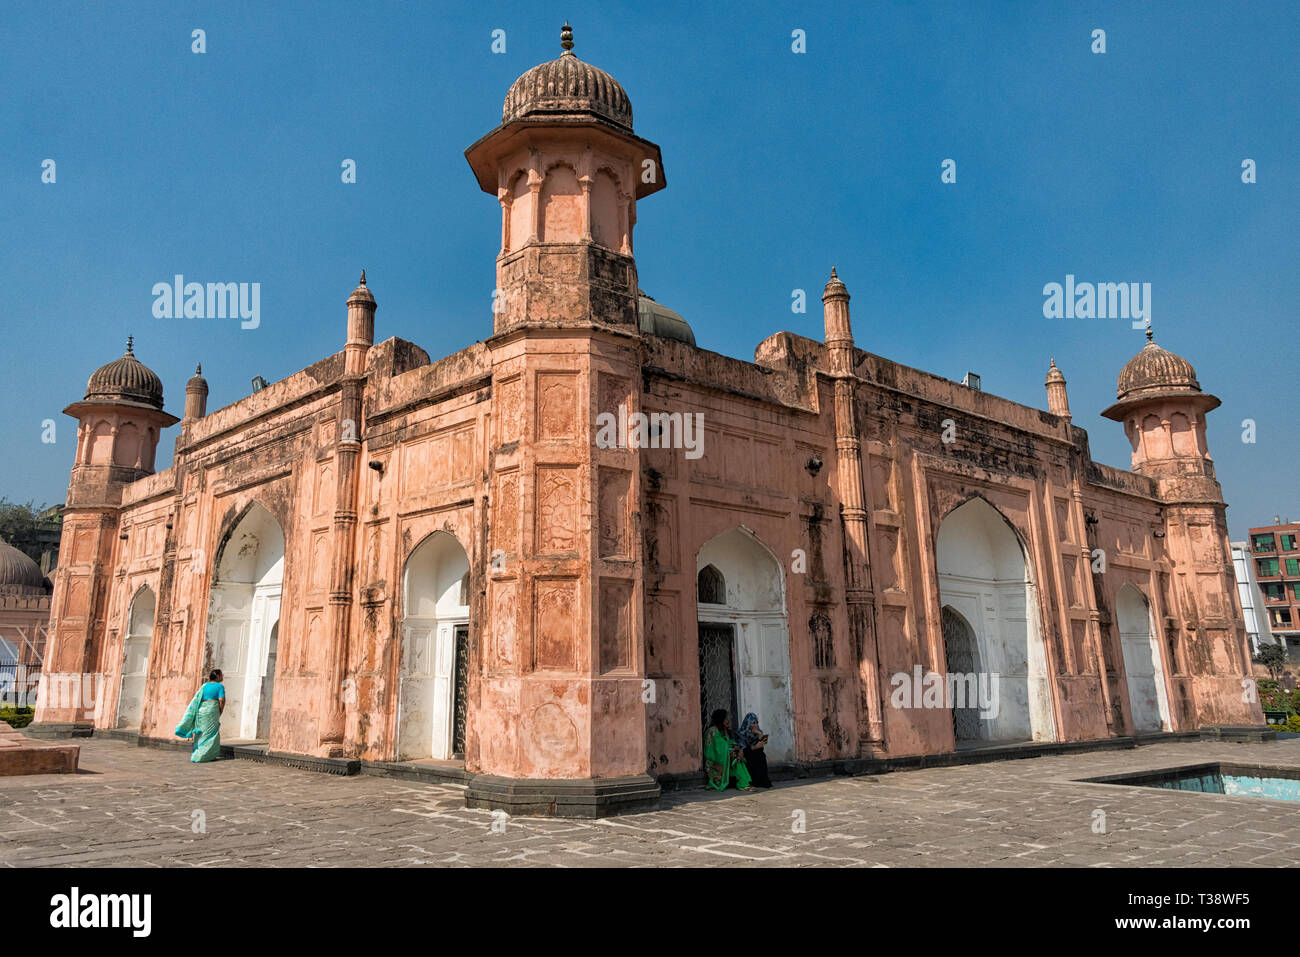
{"x": 1217, "y": 777}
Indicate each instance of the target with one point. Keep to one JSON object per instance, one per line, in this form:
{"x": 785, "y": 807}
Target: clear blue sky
{"x": 225, "y": 166}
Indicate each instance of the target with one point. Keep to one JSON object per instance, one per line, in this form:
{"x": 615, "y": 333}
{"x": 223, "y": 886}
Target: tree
{"x": 20, "y": 527}
{"x": 1272, "y": 657}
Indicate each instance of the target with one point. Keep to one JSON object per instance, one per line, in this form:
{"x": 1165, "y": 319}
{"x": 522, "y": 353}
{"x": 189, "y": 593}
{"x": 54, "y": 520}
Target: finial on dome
{"x": 129, "y": 341}
{"x": 1053, "y": 362}
{"x": 566, "y": 39}
{"x": 363, "y": 276}
{"x": 198, "y": 368}
{"x": 1150, "y": 335}
{"x": 833, "y": 275}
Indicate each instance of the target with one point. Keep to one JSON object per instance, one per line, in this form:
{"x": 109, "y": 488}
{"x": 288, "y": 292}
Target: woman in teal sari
{"x": 723, "y": 762}
{"x": 202, "y": 719}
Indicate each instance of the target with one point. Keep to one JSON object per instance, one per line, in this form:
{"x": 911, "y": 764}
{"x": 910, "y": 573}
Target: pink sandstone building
{"x": 404, "y": 563}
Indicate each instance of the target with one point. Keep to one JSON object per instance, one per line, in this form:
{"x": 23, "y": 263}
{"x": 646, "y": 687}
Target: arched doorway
{"x": 1148, "y": 702}
{"x": 984, "y": 578}
{"x": 135, "y": 659}
{"x": 960, "y": 649}
{"x": 245, "y": 613}
{"x": 434, "y": 670}
{"x": 744, "y": 639}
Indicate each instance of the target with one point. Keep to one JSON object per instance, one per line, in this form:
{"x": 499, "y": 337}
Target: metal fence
{"x": 18, "y": 684}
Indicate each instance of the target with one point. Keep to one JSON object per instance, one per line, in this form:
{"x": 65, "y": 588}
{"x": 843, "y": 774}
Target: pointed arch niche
{"x": 984, "y": 578}
{"x": 244, "y": 612}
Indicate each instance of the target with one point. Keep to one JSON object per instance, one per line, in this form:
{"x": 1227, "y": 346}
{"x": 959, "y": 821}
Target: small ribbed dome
{"x": 1155, "y": 370}
{"x": 1054, "y": 374}
{"x": 835, "y": 286}
{"x": 567, "y": 85}
{"x": 197, "y": 382}
{"x": 657, "y": 320}
{"x": 18, "y": 570}
{"x": 127, "y": 379}
{"x": 362, "y": 293}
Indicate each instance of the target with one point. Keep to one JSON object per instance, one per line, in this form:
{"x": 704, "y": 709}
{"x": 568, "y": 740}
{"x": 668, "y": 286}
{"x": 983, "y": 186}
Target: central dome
{"x": 567, "y": 86}
{"x": 125, "y": 379}
{"x": 18, "y": 572}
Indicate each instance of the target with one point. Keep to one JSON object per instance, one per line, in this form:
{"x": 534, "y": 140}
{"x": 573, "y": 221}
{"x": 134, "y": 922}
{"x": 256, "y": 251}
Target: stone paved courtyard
{"x": 135, "y": 807}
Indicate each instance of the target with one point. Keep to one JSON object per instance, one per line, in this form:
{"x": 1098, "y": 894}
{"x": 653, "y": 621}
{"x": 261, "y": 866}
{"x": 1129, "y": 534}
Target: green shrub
{"x": 1274, "y": 698}
{"x": 17, "y": 717}
{"x": 1292, "y": 724}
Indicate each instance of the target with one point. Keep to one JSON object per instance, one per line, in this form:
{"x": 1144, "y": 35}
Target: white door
{"x": 265, "y": 615}
{"x": 416, "y": 689}
{"x": 764, "y": 683}
{"x": 1145, "y": 682}
{"x": 230, "y": 654}
{"x": 135, "y": 667}
{"x": 426, "y": 718}
{"x": 444, "y": 667}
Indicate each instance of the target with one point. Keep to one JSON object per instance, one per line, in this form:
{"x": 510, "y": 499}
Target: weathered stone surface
{"x": 138, "y": 809}
{"x": 827, "y": 474}
{"x": 20, "y": 754}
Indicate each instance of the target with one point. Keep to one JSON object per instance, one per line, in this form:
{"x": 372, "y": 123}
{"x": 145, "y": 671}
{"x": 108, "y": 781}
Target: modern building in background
{"x": 1252, "y": 599}
{"x": 1276, "y": 552}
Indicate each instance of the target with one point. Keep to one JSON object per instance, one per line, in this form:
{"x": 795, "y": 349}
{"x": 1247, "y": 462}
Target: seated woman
{"x": 753, "y": 740}
{"x": 722, "y": 758}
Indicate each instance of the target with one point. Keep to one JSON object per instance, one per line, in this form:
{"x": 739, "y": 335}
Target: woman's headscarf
{"x": 749, "y": 730}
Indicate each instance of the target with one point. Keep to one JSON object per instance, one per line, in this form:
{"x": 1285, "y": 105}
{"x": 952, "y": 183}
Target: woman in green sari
{"x": 202, "y": 719}
{"x": 723, "y": 762}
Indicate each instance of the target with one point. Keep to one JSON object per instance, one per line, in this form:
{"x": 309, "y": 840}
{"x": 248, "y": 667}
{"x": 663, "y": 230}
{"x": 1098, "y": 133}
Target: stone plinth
{"x": 20, "y": 754}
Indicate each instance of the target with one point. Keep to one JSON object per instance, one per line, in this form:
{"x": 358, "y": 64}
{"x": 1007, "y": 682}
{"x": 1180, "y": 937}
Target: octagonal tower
{"x": 119, "y": 421}
{"x": 1162, "y": 407}
{"x": 561, "y": 724}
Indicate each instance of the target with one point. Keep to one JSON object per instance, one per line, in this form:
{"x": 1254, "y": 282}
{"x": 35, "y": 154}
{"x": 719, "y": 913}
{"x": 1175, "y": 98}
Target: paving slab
{"x": 153, "y": 808}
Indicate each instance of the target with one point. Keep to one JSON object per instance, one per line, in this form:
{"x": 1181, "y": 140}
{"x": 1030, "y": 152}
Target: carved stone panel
{"x": 615, "y": 625}
{"x": 614, "y": 515}
{"x": 509, "y": 410}
{"x": 614, "y": 392}
{"x": 557, "y": 510}
{"x": 661, "y": 551}
{"x": 555, "y": 625}
{"x": 503, "y": 647}
{"x": 505, "y": 524}
{"x": 663, "y": 633}
{"x": 557, "y": 406}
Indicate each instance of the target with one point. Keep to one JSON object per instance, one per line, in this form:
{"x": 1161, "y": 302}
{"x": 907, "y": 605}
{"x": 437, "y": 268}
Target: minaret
{"x": 350, "y": 434}
{"x": 853, "y": 512}
{"x": 118, "y": 424}
{"x": 196, "y": 395}
{"x": 1163, "y": 409}
{"x": 568, "y": 171}
{"x": 1058, "y": 403}
{"x": 561, "y": 657}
